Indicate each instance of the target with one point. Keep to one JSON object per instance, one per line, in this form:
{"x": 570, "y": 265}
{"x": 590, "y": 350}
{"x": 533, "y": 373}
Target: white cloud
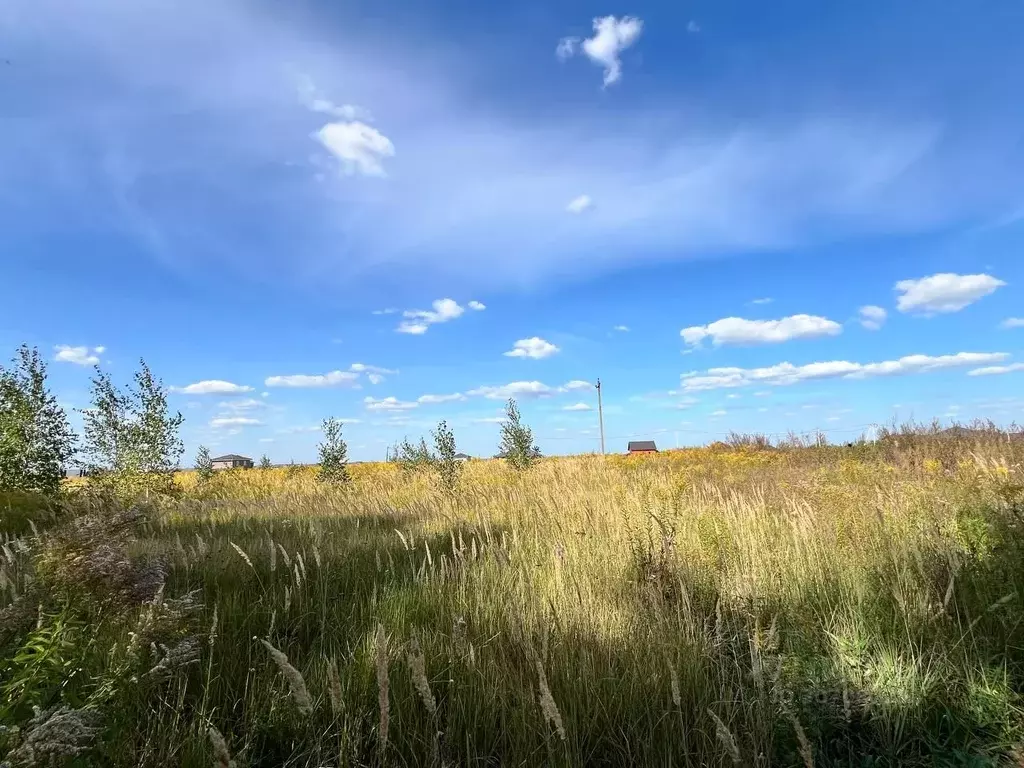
{"x": 360, "y": 148}
{"x": 234, "y": 421}
{"x": 787, "y": 373}
{"x": 996, "y": 370}
{"x": 533, "y": 347}
{"x": 388, "y": 404}
{"x": 576, "y": 385}
{"x": 78, "y": 355}
{"x": 764, "y": 300}
{"x": 716, "y": 414}
{"x": 872, "y": 317}
{"x": 434, "y": 399}
{"x": 514, "y": 389}
{"x": 1012, "y": 322}
{"x": 212, "y": 387}
{"x": 267, "y": 440}
{"x": 692, "y": 27}
{"x": 418, "y": 320}
{"x": 578, "y": 407}
{"x": 387, "y": 311}
{"x": 611, "y": 37}
{"x": 375, "y": 378}
{"x": 566, "y": 47}
{"x": 364, "y": 368}
{"x": 943, "y": 292}
{"x": 621, "y": 328}
{"x": 301, "y": 380}
{"x": 248, "y": 404}
{"x": 477, "y": 306}
{"x": 736, "y": 330}
{"x": 579, "y": 204}
{"x": 490, "y": 420}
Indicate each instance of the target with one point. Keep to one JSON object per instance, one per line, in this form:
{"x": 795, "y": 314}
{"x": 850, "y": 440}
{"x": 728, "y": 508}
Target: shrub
{"x": 449, "y": 468}
{"x": 517, "y": 446}
{"x": 333, "y": 454}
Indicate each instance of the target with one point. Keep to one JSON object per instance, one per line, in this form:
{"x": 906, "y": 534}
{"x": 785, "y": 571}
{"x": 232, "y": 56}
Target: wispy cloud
{"x": 212, "y": 387}
{"x": 611, "y": 37}
{"x": 527, "y": 389}
{"x": 736, "y": 330}
{"x": 944, "y": 292}
{"x": 578, "y": 407}
{"x": 248, "y": 404}
{"x": 761, "y": 301}
{"x": 221, "y": 422}
{"x": 318, "y": 380}
{"x": 78, "y": 355}
{"x": 533, "y": 347}
{"x": 1012, "y": 322}
{"x": 579, "y": 204}
{"x": 621, "y": 328}
{"x": 435, "y": 399}
{"x": 787, "y": 373}
{"x": 872, "y": 317}
{"x": 388, "y": 404}
{"x": 996, "y": 370}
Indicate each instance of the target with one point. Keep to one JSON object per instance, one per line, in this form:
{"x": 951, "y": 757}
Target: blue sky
{"x": 396, "y": 213}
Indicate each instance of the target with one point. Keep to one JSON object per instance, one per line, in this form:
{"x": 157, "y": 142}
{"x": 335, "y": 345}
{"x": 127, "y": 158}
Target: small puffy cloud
{"x": 692, "y": 27}
{"x": 611, "y": 37}
{"x": 361, "y": 148}
{"x": 221, "y": 422}
{"x": 578, "y": 407}
{"x": 575, "y": 385}
{"x": 943, "y": 292}
{"x": 418, "y": 320}
{"x": 717, "y": 414}
{"x": 736, "y": 330}
{"x": 212, "y": 387}
{"x": 388, "y": 404}
{"x": 477, "y": 306}
{"x": 872, "y": 317}
{"x": 995, "y": 370}
{"x": 580, "y": 204}
{"x": 78, "y": 355}
{"x": 1012, "y": 322}
{"x": 435, "y": 399}
{"x": 621, "y": 328}
{"x": 786, "y": 373}
{"x": 311, "y": 381}
{"x": 375, "y": 378}
{"x": 533, "y": 347}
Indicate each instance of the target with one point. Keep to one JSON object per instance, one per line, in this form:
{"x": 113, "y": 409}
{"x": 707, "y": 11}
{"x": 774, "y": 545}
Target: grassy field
{"x": 720, "y": 606}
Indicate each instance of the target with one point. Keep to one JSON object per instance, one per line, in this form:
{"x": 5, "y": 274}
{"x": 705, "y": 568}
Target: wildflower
{"x": 547, "y": 701}
{"x": 726, "y": 739}
{"x": 417, "y": 668}
{"x": 220, "y": 748}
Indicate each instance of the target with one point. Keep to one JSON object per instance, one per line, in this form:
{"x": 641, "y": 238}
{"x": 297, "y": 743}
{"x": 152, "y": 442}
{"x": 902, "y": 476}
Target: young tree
{"x": 35, "y": 437}
{"x": 264, "y": 462}
{"x": 412, "y": 457}
{"x": 204, "y": 466}
{"x": 448, "y": 467}
{"x": 131, "y": 438}
{"x": 333, "y": 454}
{"x": 517, "y": 446}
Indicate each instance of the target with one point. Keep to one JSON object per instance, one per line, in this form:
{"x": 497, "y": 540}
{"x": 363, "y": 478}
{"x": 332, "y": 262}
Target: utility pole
{"x": 600, "y": 414}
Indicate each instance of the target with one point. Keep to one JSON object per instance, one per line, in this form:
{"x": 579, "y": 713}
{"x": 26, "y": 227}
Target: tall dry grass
{"x": 807, "y": 606}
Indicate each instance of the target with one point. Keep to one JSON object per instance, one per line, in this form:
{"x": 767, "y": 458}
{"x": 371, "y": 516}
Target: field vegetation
{"x": 739, "y": 604}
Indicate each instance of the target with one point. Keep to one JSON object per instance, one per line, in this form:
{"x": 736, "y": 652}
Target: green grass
{"x": 869, "y": 602}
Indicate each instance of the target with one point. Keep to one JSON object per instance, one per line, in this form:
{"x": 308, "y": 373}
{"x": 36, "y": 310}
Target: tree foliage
{"x": 449, "y": 468}
{"x": 131, "y": 438}
{"x": 517, "y": 446}
{"x": 265, "y": 462}
{"x": 35, "y": 437}
{"x": 333, "y": 454}
{"x": 204, "y": 465}
{"x": 412, "y": 457}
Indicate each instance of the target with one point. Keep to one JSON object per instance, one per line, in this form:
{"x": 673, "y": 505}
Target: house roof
{"x": 463, "y": 456}
{"x": 642, "y": 445}
{"x": 231, "y": 457}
